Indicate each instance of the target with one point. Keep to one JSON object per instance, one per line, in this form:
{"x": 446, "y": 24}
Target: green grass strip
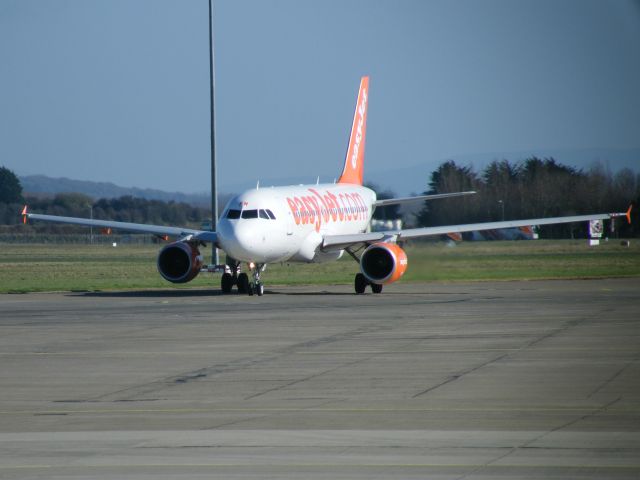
{"x": 50, "y": 267}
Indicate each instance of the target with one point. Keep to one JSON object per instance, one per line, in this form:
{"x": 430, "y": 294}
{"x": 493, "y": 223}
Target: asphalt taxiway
{"x": 483, "y": 380}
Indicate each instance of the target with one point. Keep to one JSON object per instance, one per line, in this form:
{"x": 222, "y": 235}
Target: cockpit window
{"x": 250, "y": 214}
{"x": 261, "y": 213}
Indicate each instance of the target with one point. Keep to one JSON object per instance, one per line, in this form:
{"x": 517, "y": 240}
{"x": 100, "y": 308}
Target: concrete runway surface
{"x": 481, "y": 380}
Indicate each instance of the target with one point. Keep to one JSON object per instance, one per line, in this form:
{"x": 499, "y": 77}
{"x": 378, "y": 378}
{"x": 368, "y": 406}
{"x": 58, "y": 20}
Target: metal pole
{"x": 214, "y": 183}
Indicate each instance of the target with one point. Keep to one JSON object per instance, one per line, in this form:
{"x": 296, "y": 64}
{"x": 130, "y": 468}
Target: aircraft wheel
{"x": 360, "y": 283}
{"x": 260, "y": 289}
{"x": 375, "y": 288}
{"x": 226, "y": 282}
{"x": 243, "y": 283}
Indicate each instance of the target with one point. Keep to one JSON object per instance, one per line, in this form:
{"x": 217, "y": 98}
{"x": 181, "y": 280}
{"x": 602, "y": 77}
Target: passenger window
{"x": 233, "y": 214}
{"x": 271, "y": 215}
{"x": 263, "y": 214}
{"x": 250, "y": 214}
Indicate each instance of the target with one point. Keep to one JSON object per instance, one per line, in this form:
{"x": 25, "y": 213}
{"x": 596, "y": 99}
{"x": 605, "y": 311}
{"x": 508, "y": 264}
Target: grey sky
{"x": 117, "y": 90}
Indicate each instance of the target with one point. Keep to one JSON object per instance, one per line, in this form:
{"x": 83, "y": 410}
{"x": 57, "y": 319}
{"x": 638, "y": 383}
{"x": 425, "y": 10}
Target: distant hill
{"x": 401, "y": 180}
{"x": 41, "y": 184}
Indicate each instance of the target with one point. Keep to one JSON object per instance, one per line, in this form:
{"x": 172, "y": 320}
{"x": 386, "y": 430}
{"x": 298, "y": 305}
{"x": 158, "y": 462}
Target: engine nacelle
{"x": 383, "y": 263}
{"x": 179, "y": 262}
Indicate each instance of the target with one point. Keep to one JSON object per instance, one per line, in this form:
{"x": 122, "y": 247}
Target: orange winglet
{"x": 628, "y": 214}
{"x": 24, "y": 215}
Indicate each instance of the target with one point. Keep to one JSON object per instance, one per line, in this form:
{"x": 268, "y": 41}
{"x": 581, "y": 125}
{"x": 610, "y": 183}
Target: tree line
{"x": 534, "y": 188}
{"x": 123, "y": 209}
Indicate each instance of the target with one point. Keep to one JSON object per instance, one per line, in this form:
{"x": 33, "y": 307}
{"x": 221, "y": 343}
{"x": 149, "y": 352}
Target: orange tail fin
{"x": 354, "y": 162}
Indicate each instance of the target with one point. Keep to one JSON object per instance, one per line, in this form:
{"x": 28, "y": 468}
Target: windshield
{"x": 233, "y": 214}
{"x": 265, "y": 214}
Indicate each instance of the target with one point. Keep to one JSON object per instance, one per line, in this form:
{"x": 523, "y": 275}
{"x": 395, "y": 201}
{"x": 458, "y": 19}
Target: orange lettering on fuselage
{"x": 317, "y": 209}
{"x": 294, "y": 211}
{"x": 301, "y": 211}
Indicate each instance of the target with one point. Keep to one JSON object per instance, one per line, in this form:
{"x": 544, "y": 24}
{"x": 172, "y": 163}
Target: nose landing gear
{"x": 232, "y": 276}
{"x": 256, "y": 286}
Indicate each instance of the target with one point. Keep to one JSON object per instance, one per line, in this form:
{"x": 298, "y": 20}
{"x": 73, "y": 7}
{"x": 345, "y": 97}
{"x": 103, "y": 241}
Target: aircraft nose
{"x": 245, "y": 236}
{"x": 250, "y": 240}
{"x": 243, "y": 240}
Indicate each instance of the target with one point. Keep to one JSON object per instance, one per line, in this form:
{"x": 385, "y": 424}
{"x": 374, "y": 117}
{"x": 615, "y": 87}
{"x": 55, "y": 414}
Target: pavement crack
{"x": 612, "y": 378}
{"x": 152, "y": 387}
{"x": 592, "y": 413}
{"x": 309, "y": 377}
{"x": 528, "y": 443}
{"x": 535, "y": 341}
{"x": 456, "y": 376}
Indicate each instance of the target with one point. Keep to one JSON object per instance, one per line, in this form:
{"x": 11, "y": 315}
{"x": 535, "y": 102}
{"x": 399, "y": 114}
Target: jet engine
{"x": 383, "y": 263}
{"x": 179, "y": 262}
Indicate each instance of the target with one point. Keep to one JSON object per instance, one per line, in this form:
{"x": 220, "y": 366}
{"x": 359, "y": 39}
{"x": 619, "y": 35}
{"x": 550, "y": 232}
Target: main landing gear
{"x": 361, "y": 283}
{"x": 232, "y": 276}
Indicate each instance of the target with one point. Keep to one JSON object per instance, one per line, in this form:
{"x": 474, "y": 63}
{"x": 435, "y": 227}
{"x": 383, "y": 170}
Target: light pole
{"x": 91, "y": 227}
{"x": 502, "y": 205}
{"x": 215, "y": 259}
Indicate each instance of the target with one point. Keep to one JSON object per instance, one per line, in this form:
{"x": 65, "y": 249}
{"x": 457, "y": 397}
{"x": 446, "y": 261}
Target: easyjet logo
{"x": 360, "y": 124}
{"x": 317, "y": 208}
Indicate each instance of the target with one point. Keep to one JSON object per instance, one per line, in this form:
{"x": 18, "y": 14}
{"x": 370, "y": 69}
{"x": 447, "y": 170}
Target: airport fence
{"x": 78, "y": 239}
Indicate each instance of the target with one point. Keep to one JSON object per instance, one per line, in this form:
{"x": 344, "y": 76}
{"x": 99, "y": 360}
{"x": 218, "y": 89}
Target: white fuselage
{"x": 279, "y": 224}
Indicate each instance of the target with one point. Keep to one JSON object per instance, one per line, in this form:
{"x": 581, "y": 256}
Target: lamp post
{"x": 215, "y": 259}
{"x": 91, "y": 227}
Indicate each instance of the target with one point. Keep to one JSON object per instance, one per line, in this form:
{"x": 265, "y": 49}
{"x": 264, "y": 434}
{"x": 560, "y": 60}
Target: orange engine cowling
{"x": 179, "y": 262}
{"x": 383, "y": 263}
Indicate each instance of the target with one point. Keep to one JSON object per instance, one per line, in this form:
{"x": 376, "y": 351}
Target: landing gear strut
{"x": 256, "y": 286}
{"x": 361, "y": 283}
{"x": 226, "y": 282}
{"x": 232, "y": 276}
{"x": 243, "y": 283}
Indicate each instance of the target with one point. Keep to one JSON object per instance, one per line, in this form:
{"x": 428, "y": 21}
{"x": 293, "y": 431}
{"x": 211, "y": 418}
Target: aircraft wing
{"x": 419, "y": 198}
{"x": 202, "y": 235}
{"x": 343, "y": 241}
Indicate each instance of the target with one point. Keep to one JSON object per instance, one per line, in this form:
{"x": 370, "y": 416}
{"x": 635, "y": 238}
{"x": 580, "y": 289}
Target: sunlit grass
{"x": 521, "y": 260}
{"x": 31, "y": 268}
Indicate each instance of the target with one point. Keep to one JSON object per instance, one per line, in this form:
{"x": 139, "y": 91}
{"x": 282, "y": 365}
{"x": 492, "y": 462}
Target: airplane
{"x": 306, "y": 223}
